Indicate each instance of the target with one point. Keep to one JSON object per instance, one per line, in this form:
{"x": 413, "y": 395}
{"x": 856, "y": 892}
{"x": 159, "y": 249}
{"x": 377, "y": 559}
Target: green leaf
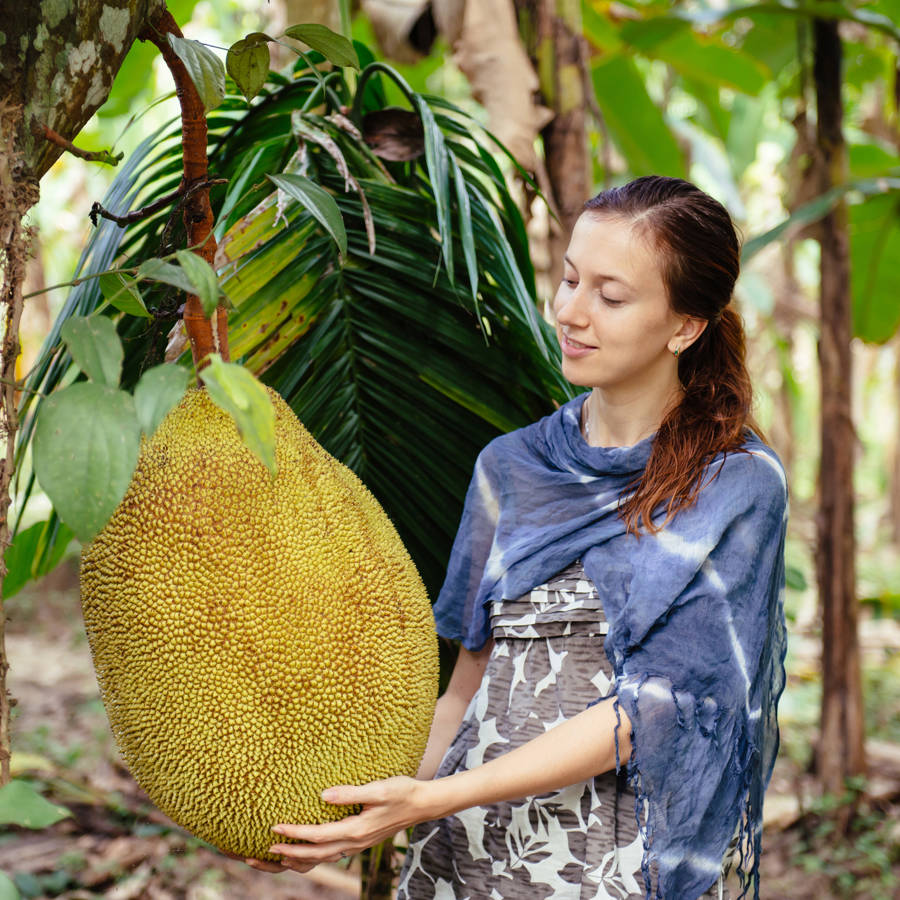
{"x": 247, "y": 62}
{"x": 8, "y": 889}
{"x": 350, "y": 348}
{"x": 158, "y": 391}
{"x": 706, "y": 60}
{"x": 634, "y": 122}
{"x": 203, "y": 278}
{"x": 318, "y": 201}
{"x": 35, "y": 552}
{"x": 745, "y": 132}
{"x": 86, "y": 445}
{"x": 868, "y": 160}
{"x": 823, "y": 9}
{"x": 465, "y": 227}
{"x": 20, "y": 555}
{"x": 158, "y": 270}
{"x": 438, "y": 174}
{"x": 95, "y": 347}
{"x": 21, "y": 804}
{"x": 804, "y": 215}
{"x": 233, "y": 389}
{"x": 815, "y": 209}
{"x": 875, "y": 276}
{"x": 794, "y": 578}
{"x": 204, "y": 67}
{"x": 121, "y": 292}
{"x": 334, "y": 47}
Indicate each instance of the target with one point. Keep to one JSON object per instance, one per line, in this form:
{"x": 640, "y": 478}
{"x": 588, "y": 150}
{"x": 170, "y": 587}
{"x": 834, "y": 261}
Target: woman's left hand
{"x": 388, "y": 806}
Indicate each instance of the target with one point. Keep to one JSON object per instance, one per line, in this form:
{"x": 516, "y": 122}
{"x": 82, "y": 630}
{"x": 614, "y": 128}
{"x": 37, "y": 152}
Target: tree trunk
{"x": 551, "y": 31}
{"x": 17, "y": 195}
{"x": 57, "y": 64}
{"x": 841, "y": 751}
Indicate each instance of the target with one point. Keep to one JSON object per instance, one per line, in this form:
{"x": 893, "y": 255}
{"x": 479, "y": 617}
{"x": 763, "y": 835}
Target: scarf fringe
{"x": 747, "y": 847}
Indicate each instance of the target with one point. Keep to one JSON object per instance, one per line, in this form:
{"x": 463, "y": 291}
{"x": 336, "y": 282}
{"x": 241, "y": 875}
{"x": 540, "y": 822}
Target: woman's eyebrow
{"x": 617, "y": 278}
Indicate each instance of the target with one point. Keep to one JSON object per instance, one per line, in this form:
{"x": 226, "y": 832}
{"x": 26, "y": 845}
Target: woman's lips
{"x": 573, "y": 348}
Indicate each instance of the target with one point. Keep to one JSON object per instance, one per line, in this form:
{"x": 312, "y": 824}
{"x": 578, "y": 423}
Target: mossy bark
{"x": 58, "y": 59}
{"x": 18, "y": 193}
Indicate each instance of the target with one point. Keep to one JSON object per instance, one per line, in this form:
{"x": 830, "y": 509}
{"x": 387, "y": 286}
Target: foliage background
{"x": 729, "y": 121}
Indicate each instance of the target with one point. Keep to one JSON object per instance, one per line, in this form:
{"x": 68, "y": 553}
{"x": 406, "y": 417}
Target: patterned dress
{"x": 578, "y": 843}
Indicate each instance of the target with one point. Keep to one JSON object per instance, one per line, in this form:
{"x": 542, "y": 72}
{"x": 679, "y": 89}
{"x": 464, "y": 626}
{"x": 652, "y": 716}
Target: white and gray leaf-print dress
{"x": 579, "y": 843}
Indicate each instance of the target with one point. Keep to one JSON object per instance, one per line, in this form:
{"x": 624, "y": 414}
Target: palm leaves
{"x": 404, "y": 361}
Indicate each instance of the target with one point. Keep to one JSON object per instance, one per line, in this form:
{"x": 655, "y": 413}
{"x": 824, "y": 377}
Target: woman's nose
{"x": 568, "y": 306}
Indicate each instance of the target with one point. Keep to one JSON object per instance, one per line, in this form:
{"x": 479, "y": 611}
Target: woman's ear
{"x": 691, "y": 329}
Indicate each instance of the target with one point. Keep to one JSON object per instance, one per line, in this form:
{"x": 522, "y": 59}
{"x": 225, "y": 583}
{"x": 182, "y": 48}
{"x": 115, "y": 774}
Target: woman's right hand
{"x": 262, "y": 865}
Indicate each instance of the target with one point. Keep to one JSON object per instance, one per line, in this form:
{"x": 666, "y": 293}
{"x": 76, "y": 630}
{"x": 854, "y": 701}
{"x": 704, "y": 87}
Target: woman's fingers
{"x": 315, "y": 853}
{"x": 296, "y": 866}
{"x": 263, "y": 866}
{"x": 317, "y": 834}
{"x": 356, "y": 794}
{"x": 385, "y": 811}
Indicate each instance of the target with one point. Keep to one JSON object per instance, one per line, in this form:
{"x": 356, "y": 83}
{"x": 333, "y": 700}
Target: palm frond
{"x": 404, "y": 362}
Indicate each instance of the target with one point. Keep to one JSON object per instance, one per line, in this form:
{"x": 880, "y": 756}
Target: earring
{"x": 676, "y": 351}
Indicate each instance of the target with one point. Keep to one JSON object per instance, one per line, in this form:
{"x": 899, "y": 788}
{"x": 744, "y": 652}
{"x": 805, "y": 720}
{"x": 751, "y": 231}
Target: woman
{"x": 616, "y": 585}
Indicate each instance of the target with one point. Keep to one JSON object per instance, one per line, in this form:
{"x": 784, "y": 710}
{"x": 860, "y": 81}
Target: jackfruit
{"x": 256, "y": 640}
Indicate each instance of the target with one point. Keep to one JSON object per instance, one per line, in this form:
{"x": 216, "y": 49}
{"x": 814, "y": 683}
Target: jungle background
{"x": 584, "y": 94}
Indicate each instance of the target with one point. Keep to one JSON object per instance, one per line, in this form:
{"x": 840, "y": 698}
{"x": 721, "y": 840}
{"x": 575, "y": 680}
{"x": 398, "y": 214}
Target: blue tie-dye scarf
{"x": 696, "y": 637}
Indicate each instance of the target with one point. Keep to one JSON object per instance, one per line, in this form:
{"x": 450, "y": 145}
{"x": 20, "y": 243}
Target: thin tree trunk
{"x": 17, "y": 195}
{"x": 42, "y": 87}
{"x": 841, "y": 751}
{"x": 205, "y": 337}
{"x": 551, "y": 33}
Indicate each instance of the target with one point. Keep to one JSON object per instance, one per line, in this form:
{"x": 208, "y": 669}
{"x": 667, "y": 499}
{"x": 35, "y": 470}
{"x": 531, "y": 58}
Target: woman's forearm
{"x": 576, "y": 750}
{"x": 448, "y": 714}
{"x": 451, "y": 706}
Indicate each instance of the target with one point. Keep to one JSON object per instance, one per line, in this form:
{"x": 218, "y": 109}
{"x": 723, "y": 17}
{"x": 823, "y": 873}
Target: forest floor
{"x": 117, "y": 845}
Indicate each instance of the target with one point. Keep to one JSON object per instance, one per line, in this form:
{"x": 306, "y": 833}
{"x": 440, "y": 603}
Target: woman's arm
{"x": 573, "y": 751}
{"x": 451, "y": 707}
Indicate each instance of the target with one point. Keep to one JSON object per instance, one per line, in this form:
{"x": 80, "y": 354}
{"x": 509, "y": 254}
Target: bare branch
{"x": 136, "y": 215}
{"x": 102, "y": 156}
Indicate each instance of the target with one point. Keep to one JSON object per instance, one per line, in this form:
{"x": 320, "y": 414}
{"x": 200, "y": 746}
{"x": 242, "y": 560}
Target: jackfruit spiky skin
{"x": 255, "y": 640}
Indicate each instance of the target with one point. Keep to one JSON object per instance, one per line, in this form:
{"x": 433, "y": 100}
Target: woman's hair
{"x": 699, "y": 262}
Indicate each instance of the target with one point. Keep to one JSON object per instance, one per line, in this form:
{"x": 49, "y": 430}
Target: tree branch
{"x": 136, "y": 215}
{"x": 102, "y": 156}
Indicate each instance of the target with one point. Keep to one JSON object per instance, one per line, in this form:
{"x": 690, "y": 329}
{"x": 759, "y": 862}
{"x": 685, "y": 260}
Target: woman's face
{"x": 614, "y": 323}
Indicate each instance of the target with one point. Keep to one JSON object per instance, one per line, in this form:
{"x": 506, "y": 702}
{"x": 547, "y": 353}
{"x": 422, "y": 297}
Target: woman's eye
{"x": 609, "y": 301}
{"x": 570, "y": 282}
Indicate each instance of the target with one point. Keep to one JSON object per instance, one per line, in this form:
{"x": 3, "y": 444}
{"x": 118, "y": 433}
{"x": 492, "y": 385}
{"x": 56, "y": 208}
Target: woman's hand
{"x": 389, "y": 806}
